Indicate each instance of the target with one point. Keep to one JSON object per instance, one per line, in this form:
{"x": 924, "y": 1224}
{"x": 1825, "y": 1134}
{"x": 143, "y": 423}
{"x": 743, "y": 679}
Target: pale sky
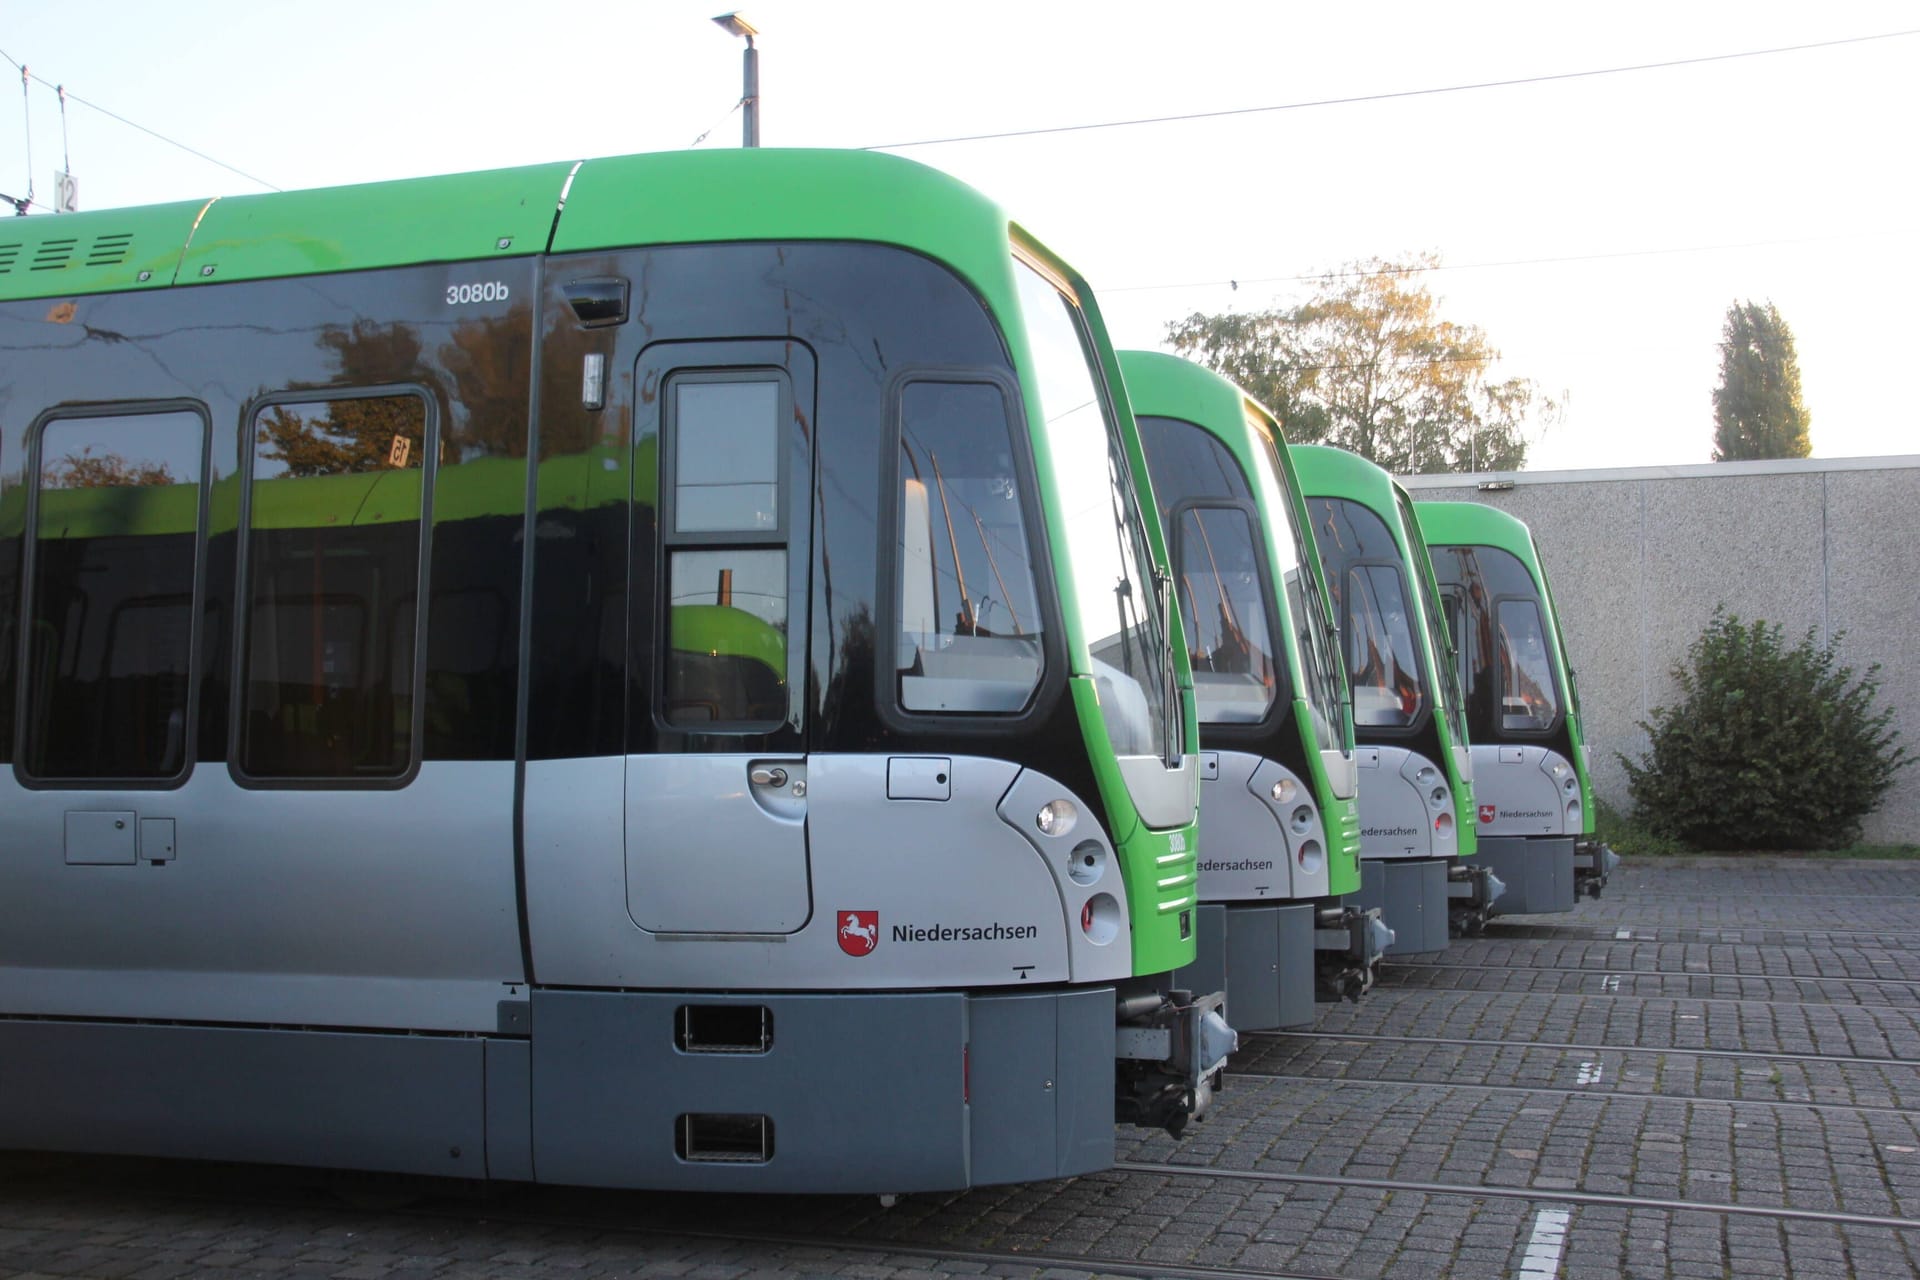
{"x": 1595, "y": 228}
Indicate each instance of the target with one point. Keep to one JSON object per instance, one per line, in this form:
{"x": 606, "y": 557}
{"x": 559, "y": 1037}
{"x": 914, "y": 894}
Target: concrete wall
{"x": 1639, "y": 558}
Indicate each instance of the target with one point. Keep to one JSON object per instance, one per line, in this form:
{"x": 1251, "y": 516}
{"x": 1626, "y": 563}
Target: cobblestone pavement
{"x": 1714, "y": 1071}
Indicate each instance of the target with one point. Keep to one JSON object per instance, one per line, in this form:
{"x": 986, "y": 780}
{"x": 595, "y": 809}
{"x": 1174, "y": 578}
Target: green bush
{"x": 1769, "y": 747}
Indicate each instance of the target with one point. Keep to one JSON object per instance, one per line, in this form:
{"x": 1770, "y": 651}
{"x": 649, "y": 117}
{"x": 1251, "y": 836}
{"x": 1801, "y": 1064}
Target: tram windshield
{"x": 1122, "y": 614}
{"x": 1439, "y": 643}
{"x": 1363, "y": 572}
{"x": 1326, "y": 698}
{"x": 1507, "y": 652}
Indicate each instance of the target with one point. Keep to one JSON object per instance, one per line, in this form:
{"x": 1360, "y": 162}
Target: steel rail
{"x": 1590, "y": 1093}
{"x": 1481, "y": 1042}
{"x": 1629, "y": 995}
{"x": 1625, "y": 971}
{"x": 1527, "y": 1193}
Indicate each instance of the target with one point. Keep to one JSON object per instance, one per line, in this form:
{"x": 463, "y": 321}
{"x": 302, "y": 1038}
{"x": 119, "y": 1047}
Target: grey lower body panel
{"x": 852, "y": 1093}
{"x": 1412, "y": 896}
{"x": 1262, "y": 956}
{"x": 1537, "y": 870}
{"x": 406, "y": 1104}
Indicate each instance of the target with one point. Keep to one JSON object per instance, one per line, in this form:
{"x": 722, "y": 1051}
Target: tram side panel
{"x": 243, "y": 791}
{"x": 739, "y": 807}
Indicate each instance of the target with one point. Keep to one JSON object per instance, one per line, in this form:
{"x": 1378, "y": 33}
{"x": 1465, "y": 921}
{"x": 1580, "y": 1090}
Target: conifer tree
{"x": 1757, "y": 411}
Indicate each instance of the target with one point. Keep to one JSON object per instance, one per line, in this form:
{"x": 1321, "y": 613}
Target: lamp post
{"x": 734, "y": 25}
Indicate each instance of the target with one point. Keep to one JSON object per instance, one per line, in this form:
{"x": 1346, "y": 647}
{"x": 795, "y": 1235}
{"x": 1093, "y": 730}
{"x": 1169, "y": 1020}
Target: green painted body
{"x": 1476, "y": 524}
{"x": 622, "y": 202}
{"x": 1160, "y": 385}
{"x": 1327, "y": 472}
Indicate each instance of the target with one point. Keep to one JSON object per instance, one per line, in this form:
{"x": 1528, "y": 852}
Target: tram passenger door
{"x": 716, "y": 775}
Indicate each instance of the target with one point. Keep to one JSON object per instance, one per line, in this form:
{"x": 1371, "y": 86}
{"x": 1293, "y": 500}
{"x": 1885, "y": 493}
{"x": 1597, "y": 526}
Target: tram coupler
{"x": 1348, "y": 943}
{"x": 1172, "y": 1049}
{"x": 1471, "y": 893}
{"x": 1593, "y": 864}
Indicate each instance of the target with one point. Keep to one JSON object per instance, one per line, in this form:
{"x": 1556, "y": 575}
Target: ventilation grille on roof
{"x": 52, "y": 255}
{"x": 9, "y": 253}
{"x": 110, "y": 250}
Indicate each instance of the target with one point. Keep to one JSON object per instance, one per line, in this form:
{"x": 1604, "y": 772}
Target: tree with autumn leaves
{"x": 1367, "y": 363}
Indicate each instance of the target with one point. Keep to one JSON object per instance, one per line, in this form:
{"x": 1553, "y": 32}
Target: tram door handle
{"x": 767, "y": 776}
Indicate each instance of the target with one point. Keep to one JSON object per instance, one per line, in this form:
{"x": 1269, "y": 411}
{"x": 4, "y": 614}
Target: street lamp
{"x": 734, "y": 25}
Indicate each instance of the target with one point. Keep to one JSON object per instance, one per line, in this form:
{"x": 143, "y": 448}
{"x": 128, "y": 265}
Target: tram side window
{"x": 110, "y": 627}
{"x": 1381, "y": 659}
{"x": 726, "y": 553}
{"x": 1225, "y": 613}
{"x": 1527, "y": 701}
{"x": 333, "y": 588}
{"x": 970, "y": 623}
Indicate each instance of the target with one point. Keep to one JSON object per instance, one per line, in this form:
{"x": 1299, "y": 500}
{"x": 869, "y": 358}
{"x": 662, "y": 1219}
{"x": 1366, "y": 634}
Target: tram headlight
{"x": 1056, "y": 817}
{"x": 1283, "y": 791}
{"x": 1302, "y": 819}
{"x": 1426, "y": 777}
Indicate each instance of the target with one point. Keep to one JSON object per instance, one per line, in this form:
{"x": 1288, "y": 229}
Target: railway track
{"x": 1538, "y": 1194}
{"x": 1586, "y": 1092}
{"x": 1481, "y": 1042}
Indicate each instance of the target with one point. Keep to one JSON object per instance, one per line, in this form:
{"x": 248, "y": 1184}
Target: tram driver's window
{"x": 970, "y": 623}
{"x": 726, "y": 569}
{"x": 333, "y": 583}
{"x": 1527, "y": 701}
{"x": 111, "y": 621}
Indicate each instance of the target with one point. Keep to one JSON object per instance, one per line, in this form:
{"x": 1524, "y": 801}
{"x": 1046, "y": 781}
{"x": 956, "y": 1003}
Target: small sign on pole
{"x": 66, "y": 188}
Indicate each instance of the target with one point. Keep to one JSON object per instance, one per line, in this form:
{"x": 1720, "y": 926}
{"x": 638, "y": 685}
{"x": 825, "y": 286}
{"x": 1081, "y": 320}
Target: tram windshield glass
{"x": 1218, "y": 578}
{"x": 970, "y": 624}
{"x": 1439, "y": 644}
{"x": 1326, "y": 699}
{"x": 1527, "y": 703}
{"x": 1363, "y": 572}
{"x": 1122, "y": 614}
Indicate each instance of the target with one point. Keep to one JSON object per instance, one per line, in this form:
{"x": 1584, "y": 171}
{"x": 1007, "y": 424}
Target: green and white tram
{"x": 1416, "y": 773}
{"x": 1280, "y": 827}
{"x": 648, "y": 672}
{"x": 1533, "y": 795}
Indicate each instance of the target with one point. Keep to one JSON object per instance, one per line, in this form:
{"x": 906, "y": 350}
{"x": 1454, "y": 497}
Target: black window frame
{"x": 430, "y": 445}
{"x": 709, "y": 363}
{"x": 29, "y": 585}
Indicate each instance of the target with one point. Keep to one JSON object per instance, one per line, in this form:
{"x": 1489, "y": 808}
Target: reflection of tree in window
{"x": 333, "y": 568}
{"x": 84, "y": 470}
{"x": 112, "y": 612}
{"x": 343, "y": 437}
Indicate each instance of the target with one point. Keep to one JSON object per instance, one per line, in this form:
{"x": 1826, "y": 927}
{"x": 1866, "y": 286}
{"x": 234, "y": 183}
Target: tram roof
{"x": 1474, "y": 524}
{"x": 1327, "y": 472}
{"x": 683, "y": 197}
{"x": 1166, "y": 386}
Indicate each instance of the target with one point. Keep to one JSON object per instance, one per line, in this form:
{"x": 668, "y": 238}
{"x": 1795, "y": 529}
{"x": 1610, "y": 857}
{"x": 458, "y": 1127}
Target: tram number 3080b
{"x": 490, "y": 291}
